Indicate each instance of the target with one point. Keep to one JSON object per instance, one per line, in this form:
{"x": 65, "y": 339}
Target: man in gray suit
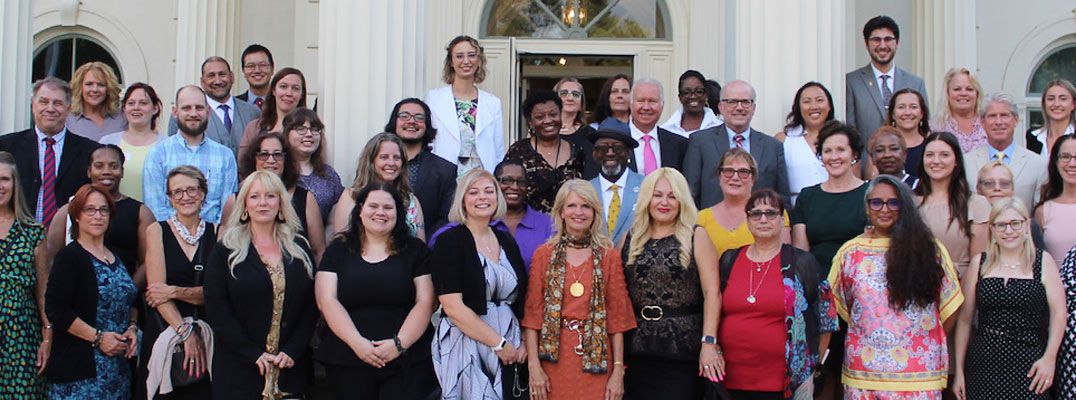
{"x": 999, "y": 118}
{"x": 869, "y": 88}
{"x": 231, "y": 116}
{"x": 707, "y": 146}
{"x": 617, "y": 185}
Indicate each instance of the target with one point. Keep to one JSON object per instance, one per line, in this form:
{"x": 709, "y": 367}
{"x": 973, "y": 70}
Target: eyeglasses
{"x": 738, "y": 102}
{"x": 404, "y": 116}
{"x": 265, "y": 155}
{"x": 262, "y": 66}
{"x": 876, "y": 204}
{"x": 303, "y": 131}
{"x": 510, "y": 181}
{"x": 574, "y": 93}
{"x": 90, "y": 211}
{"x": 191, "y": 192}
{"x": 616, "y": 148}
{"x": 695, "y": 92}
{"x": 1003, "y": 184}
{"x": 1016, "y": 224}
{"x": 743, "y": 173}
{"x": 756, "y": 215}
{"x": 878, "y": 40}
{"x": 1065, "y": 158}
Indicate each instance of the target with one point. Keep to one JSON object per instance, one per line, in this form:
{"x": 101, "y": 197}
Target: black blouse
{"x": 122, "y": 234}
{"x": 657, "y": 278}
{"x": 377, "y": 296}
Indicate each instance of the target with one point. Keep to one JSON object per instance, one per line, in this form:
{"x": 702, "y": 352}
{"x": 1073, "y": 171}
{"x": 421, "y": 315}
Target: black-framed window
{"x": 60, "y": 57}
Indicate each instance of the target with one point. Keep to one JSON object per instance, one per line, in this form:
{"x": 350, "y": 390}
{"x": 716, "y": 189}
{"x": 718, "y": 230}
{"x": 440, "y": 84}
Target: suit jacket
{"x": 434, "y": 186}
{"x": 70, "y": 175}
{"x": 244, "y": 113}
{"x": 1028, "y": 169}
{"x": 672, "y": 148}
{"x": 705, "y": 151}
{"x": 247, "y": 97}
{"x": 627, "y": 203}
{"x": 863, "y": 103}
{"x": 489, "y": 127}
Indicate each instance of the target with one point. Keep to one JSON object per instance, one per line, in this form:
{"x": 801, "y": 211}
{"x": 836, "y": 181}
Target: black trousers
{"x": 748, "y": 395}
{"x": 661, "y": 378}
{"x": 416, "y": 381}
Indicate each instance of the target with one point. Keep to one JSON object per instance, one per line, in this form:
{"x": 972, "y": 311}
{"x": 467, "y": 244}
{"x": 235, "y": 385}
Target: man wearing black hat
{"x": 617, "y": 185}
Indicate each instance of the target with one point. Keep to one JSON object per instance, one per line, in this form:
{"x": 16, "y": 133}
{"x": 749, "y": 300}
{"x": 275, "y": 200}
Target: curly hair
{"x": 448, "y": 75}
{"x": 111, "y": 105}
{"x": 913, "y": 268}
{"x": 428, "y": 135}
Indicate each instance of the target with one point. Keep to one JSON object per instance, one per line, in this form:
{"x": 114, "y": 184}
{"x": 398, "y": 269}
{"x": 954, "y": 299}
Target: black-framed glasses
{"x": 103, "y": 211}
{"x": 738, "y": 102}
{"x": 191, "y": 192}
{"x": 1016, "y": 224}
{"x": 305, "y": 130}
{"x": 756, "y": 215}
{"x": 509, "y": 181}
{"x": 1065, "y": 158}
{"x": 262, "y": 66}
{"x": 617, "y": 148}
{"x": 404, "y": 116}
{"x": 876, "y": 204}
{"x": 265, "y": 155}
{"x": 693, "y": 92}
{"x": 876, "y": 40}
{"x": 574, "y": 93}
{"x": 991, "y": 184}
{"x": 744, "y": 173}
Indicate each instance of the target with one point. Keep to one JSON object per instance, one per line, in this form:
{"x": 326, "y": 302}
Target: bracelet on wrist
{"x": 97, "y": 338}
{"x": 399, "y": 346}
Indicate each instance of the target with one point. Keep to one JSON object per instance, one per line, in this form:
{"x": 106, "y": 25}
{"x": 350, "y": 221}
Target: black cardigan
{"x": 71, "y": 293}
{"x": 456, "y": 268}
{"x": 239, "y": 309}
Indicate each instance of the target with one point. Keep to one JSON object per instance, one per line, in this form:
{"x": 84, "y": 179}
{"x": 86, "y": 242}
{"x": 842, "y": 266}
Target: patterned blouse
{"x": 1066, "y": 357}
{"x": 968, "y": 141}
{"x": 543, "y": 181}
{"x": 887, "y": 349}
{"x": 801, "y": 361}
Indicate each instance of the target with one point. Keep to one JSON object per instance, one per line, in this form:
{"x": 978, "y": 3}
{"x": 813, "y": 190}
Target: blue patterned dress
{"x": 116, "y": 294}
{"x": 20, "y": 327}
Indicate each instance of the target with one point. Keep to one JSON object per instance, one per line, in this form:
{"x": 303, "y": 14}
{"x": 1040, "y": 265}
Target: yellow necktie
{"x": 614, "y": 207}
{"x": 999, "y": 157}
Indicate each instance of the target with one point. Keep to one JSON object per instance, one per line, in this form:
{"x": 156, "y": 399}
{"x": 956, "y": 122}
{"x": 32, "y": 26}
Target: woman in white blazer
{"x": 469, "y": 119}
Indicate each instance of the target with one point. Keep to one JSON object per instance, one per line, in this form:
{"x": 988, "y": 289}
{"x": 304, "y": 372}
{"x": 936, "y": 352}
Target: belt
{"x": 656, "y": 313}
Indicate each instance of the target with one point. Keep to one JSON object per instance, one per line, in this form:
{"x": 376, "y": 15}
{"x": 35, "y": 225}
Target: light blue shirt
{"x": 746, "y": 138}
{"x": 58, "y": 149}
{"x": 991, "y": 152}
{"x": 215, "y": 160}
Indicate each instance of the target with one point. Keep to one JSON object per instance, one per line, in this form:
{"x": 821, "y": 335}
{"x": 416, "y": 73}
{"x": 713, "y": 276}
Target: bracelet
{"x": 97, "y": 338}
{"x": 615, "y": 363}
{"x": 48, "y": 327}
{"x": 399, "y": 346}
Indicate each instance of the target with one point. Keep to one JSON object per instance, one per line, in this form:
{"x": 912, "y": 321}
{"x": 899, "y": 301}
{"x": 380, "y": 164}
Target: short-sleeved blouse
{"x": 831, "y": 219}
{"x": 956, "y": 241}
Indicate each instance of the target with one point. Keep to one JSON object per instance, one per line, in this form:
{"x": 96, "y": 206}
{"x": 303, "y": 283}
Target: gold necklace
{"x": 576, "y": 289}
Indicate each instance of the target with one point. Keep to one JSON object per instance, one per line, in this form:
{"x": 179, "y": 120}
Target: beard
{"x": 612, "y": 171}
{"x": 418, "y": 140}
{"x": 193, "y": 131}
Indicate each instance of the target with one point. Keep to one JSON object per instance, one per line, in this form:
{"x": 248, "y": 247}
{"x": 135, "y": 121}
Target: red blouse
{"x": 752, "y": 335}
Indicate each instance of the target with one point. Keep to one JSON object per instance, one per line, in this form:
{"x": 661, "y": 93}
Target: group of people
{"x": 611, "y": 257}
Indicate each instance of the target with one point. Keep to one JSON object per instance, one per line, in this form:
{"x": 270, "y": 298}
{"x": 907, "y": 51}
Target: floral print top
{"x": 801, "y": 361}
{"x": 968, "y": 141}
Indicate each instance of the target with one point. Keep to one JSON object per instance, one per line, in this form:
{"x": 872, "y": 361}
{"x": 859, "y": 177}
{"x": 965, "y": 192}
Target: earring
{"x": 280, "y": 216}
{"x": 244, "y": 217}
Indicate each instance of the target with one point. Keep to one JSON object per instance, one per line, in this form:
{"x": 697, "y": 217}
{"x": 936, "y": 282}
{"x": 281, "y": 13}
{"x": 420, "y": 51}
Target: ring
{"x": 706, "y": 366}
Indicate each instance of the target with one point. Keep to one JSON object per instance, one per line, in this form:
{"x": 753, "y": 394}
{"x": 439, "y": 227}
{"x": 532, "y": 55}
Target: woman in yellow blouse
{"x": 726, "y": 222}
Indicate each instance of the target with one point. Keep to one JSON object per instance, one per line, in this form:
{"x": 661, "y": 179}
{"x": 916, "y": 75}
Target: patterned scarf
{"x": 594, "y": 334}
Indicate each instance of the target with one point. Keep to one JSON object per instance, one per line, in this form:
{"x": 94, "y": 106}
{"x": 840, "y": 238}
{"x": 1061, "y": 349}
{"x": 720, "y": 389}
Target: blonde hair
{"x": 111, "y": 104}
{"x": 685, "y": 222}
{"x": 599, "y": 232}
{"x": 943, "y": 110}
{"x": 990, "y": 167}
{"x": 993, "y": 249}
{"x": 449, "y": 75}
{"x": 365, "y": 173}
{"x": 236, "y": 235}
{"x": 18, "y": 200}
{"x": 458, "y": 213}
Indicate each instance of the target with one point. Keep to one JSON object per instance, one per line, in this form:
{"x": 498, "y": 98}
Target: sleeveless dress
{"x": 179, "y": 271}
{"x": 804, "y": 167}
{"x": 122, "y": 233}
{"x": 1058, "y": 231}
{"x": 1066, "y": 356}
{"x": 20, "y": 327}
{"x": 1011, "y": 327}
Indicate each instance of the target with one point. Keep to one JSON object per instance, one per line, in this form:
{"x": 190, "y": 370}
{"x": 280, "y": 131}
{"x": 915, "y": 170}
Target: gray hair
{"x": 648, "y": 81}
{"x": 739, "y": 81}
{"x": 998, "y": 97}
{"x": 54, "y": 83}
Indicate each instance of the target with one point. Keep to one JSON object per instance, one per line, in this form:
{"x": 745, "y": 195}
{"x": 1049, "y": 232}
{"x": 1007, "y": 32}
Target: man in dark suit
{"x": 869, "y": 88}
{"x": 257, "y": 63}
{"x": 434, "y": 179}
{"x": 657, "y": 147}
{"x": 707, "y": 146}
{"x": 52, "y": 160}
{"x": 228, "y": 116}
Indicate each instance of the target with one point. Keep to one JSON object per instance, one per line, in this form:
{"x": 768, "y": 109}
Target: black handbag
{"x": 180, "y": 377}
{"x": 714, "y": 390}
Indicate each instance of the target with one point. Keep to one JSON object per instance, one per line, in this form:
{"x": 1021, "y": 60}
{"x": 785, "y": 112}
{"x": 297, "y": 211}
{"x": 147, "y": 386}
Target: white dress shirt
{"x": 709, "y": 120}
{"x": 215, "y": 106}
{"x": 638, "y": 136}
{"x": 889, "y": 81}
{"x": 607, "y": 192}
{"x": 746, "y": 138}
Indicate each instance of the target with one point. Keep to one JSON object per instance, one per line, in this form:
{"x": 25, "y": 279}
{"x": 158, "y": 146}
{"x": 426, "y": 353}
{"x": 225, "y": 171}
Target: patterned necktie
{"x": 886, "y": 93}
{"x": 650, "y": 160}
{"x": 739, "y": 140}
{"x": 227, "y": 117}
{"x": 999, "y": 157}
{"x": 614, "y": 207}
{"x": 258, "y": 102}
{"x": 48, "y": 183}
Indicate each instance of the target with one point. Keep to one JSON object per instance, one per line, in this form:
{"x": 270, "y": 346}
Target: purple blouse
{"x": 534, "y": 229}
{"x": 326, "y": 189}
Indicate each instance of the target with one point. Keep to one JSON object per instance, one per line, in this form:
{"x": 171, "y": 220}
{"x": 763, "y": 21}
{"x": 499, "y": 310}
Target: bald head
{"x": 191, "y": 110}
{"x": 738, "y": 105}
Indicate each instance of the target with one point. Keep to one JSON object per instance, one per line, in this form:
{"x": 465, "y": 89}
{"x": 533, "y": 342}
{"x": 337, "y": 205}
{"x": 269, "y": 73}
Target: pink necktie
{"x": 650, "y": 161}
{"x": 739, "y": 140}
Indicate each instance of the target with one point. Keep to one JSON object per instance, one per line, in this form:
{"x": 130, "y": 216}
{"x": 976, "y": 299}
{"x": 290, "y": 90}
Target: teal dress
{"x": 116, "y": 294}
{"x": 20, "y": 325}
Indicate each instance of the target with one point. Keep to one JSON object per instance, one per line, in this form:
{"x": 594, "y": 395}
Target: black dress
{"x": 298, "y": 202}
{"x": 122, "y": 234}
{"x": 663, "y": 353}
{"x": 1012, "y": 321}
{"x": 179, "y": 271}
{"x": 378, "y": 297}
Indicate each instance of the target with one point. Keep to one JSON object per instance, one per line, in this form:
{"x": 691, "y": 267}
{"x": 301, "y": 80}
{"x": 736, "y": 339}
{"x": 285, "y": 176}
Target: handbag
{"x": 180, "y": 377}
{"x": 714, "y": 390}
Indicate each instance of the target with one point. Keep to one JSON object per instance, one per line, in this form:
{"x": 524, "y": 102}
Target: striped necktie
{"x": 48, "y": 183}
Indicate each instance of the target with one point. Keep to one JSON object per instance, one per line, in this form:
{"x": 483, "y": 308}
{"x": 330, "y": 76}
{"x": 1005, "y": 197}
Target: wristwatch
{"x": 707, "y": 339}
{"x": 500, "y": 346}
{"x": 399, "y": 346}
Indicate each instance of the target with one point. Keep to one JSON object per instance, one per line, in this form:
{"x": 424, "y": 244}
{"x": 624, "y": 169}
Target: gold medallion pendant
{"x": 576, "y": 289}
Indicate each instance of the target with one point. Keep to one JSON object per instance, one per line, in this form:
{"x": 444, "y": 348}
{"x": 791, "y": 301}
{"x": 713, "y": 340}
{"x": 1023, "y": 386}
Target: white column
{"x": 945, "y": 39}
{"x": 16, "y": 38}
{"x": 779, "y": 46}
{"x": 362, "y": 79}
{"x": 205, "y": 28}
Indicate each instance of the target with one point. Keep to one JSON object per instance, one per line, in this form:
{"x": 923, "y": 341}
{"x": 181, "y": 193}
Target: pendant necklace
{"x": 751, "y": 282}
{"x": 576, "y": 289}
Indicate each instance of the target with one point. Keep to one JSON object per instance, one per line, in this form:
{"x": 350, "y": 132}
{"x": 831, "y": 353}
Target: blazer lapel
{"x": 1019, "y": 161}
{"x": 867, "y": 74}
{"x": 423, "y": 170}
{"x": 444, "y": 109}
{"x": 758, "y": 149}
{"x": 485, "y": 115}
{"x": 721, "y": 140}
{"x": 631, "y": 193}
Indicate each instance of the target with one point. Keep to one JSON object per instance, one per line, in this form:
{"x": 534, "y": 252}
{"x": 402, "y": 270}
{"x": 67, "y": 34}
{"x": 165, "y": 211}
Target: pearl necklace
{"x": 184, "y": 233}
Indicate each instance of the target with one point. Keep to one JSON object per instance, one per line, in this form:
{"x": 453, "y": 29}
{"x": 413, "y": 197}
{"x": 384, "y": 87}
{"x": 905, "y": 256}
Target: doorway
{"x": 543, "y": 71}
